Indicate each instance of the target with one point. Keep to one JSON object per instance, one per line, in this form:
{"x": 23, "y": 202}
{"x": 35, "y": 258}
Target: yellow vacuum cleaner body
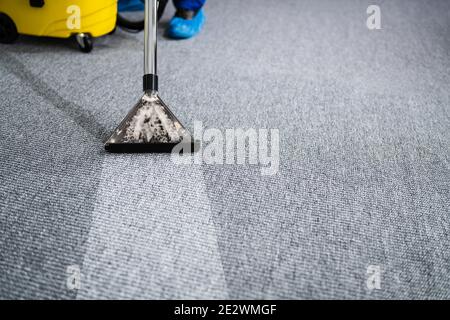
{"x": 57, "y": 18}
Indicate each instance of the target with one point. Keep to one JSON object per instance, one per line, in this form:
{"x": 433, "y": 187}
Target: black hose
{"x": 138, "y": 25}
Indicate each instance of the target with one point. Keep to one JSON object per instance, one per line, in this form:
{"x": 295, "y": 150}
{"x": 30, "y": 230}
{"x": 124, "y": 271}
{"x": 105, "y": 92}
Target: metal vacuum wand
{"x": 150, "y": 126}
{"x": 150, "y": 45}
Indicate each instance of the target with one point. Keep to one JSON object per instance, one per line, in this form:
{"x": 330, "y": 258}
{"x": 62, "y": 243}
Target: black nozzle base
{"x": 150, "y": 82}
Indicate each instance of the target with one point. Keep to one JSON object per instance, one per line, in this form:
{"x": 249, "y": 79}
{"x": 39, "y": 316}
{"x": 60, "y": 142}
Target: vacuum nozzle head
{"x": 150, "y": 127}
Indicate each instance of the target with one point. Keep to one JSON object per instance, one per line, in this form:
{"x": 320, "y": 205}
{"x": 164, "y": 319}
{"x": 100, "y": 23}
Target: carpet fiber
{"x": 364, "y": 179}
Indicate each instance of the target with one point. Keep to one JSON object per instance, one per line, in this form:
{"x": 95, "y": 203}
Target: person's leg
{"x": 188, "y": 20}
{"x": 193, "y": 5}
{"x": 130, "y": 5}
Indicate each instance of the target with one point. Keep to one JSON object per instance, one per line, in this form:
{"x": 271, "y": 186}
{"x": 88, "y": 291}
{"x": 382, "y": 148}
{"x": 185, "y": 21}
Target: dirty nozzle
{"x": 150, "y": 125}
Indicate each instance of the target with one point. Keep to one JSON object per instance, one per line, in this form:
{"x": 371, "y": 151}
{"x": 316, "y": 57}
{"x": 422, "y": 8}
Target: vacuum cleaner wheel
{"x": 8, "y": 30}
{"x": 84, "y": 42}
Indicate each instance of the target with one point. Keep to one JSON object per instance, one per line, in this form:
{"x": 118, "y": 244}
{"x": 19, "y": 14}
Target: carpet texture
{"x": 364, "y": 179}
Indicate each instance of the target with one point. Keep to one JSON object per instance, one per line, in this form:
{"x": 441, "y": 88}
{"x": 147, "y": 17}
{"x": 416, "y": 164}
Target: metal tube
{"x": 150, "y": 29}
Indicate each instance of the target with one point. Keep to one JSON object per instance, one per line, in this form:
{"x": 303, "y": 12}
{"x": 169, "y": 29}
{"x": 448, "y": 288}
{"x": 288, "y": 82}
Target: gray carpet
{"x": 364, "y": 119}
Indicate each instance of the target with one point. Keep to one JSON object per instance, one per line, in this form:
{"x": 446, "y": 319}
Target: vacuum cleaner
{"x": 150, "y": 126}
{"x": 48, "y": 18}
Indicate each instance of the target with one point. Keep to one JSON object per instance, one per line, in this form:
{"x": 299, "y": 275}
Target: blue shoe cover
{"x": 180, "y": 28}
